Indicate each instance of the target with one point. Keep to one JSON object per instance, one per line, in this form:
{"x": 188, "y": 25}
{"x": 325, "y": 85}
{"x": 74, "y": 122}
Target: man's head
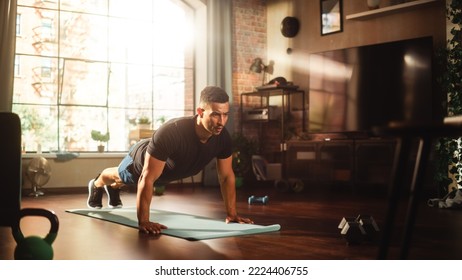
{"x": 212, "y": 94}
{"x": 213, "y": 109}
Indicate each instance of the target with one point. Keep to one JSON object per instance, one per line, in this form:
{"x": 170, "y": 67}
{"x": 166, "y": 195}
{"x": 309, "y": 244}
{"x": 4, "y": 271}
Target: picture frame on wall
{"x": 331, "y": 16}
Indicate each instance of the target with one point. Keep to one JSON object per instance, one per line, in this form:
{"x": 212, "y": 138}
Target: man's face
{"x": 214, "y": 117}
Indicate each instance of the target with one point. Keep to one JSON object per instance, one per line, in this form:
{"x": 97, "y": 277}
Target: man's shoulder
{"x": 178, "y": 121}
{"x": 175, "y": 126}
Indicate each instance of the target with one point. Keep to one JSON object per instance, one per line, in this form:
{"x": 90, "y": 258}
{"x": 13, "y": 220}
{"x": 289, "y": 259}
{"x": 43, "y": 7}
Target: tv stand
{"x": 326, "y": 136}
{"x": 340, "y": 158}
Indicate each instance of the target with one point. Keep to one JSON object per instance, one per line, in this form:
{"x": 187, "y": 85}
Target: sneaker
{"x": 114, "y": 197}
{"x": 95, "y": 195}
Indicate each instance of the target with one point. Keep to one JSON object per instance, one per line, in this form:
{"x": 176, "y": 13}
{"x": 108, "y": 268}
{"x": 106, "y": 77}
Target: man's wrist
{"x": 142, "y": 222}
{"x": 232, "y": 214}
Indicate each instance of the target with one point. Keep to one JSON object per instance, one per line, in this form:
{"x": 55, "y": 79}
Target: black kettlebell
{"x": 35, "y": 247}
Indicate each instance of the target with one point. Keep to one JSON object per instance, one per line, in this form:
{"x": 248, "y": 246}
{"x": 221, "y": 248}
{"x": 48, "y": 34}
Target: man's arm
{"x": 152, "y": 170}
{"x": 228, "y": 190}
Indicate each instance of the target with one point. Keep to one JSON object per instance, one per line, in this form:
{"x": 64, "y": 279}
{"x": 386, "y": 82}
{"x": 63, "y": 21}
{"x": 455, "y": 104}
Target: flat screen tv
{"x": 357, "y": 88}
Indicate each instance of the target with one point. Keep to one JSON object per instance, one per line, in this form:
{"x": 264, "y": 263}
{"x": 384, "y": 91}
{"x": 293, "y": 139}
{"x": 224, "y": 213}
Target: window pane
{"x": 39, "y": 127}
{"x": 17, "y": 65}
{"x": 83, "y": 36}
{"x": 38, "y": 80}
{"x": 135, "y": 9}
{"x": 84, "y": 82}
{"x": 171, "y": 27}
{"x": 76, "y": 124}
{"x": 39, "y": 34}
{"x": 131, "y": 86}
{"x": 100, "y": 65}
{"x": 18, "y": 24}
{"x": 39, "y": 4}
{"x": 130, "y": 41}
{"x": 121, "y": 122}
{"x": 169, "y": 82}
{"x": 86, "y": 6}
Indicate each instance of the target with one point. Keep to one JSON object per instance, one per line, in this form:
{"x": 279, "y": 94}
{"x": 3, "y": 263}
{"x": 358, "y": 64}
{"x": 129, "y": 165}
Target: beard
{"x": 215, "y": 129}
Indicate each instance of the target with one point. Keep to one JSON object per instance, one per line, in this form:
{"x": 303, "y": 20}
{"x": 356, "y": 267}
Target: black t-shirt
{"x": 177, "y": 144}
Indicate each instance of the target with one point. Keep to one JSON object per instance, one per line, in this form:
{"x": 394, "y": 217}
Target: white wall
{"x": 77, "y": 172}
{"x": 72, "y": 173}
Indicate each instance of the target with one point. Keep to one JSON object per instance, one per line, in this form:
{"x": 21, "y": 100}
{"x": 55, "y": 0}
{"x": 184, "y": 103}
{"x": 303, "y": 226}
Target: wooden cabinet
{"x": 374, "y": 160}
{"x": 356, "y": 162}
{"x": 320, "y": 161}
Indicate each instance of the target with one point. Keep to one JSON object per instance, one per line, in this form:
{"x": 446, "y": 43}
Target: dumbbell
{"x": 370, "y": 226}
{"x": 352, "y": 230}
{"x": 257, "y": 199}
{"x": 359, "y": 229}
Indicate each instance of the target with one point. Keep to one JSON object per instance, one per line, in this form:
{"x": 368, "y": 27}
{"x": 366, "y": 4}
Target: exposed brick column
{"x": 249, "y": 42}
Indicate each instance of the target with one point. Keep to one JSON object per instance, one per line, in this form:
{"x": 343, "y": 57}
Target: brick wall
{"x": 250, "y": 42}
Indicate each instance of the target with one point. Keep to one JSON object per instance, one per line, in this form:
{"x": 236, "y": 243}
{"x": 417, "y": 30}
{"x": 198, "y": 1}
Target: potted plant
{"x": 243, "y": 149}
{"x": 143, "y": 122}
{"x": 160, "y": 121}
{"x": 101, "y": 138}
{"x": 449, "y": 150}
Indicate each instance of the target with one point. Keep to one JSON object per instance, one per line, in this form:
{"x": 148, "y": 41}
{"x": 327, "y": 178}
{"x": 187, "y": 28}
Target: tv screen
{"x": 355, "y": 89}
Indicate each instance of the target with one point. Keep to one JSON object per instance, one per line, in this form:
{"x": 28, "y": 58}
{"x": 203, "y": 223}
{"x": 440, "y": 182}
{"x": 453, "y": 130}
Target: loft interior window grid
{"x": 99, "y": 65}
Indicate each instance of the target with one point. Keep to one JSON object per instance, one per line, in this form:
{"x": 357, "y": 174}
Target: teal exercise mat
{"x": 180, "y": 225}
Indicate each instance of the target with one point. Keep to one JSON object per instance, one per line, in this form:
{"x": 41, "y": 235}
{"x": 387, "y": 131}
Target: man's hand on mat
{"x": 237, "y": 219}
{"x": 150, "y": 227}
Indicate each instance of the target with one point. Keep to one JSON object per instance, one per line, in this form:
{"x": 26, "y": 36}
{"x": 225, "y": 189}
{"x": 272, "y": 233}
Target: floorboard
{"x": 308, "y": 222}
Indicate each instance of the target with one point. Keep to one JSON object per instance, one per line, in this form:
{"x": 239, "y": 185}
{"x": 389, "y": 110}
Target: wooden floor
{"x": 308, "y": 222}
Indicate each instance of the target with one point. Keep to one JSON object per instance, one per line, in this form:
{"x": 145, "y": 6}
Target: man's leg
{"x": 112, "y": 183}
{"x": 96, "y": 187}
{"x": 109, "y": 177}
{"x": 111, "y": 180}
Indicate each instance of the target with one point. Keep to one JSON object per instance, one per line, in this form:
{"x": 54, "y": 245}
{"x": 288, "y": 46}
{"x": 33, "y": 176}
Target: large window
{"x": 84, "y": 65}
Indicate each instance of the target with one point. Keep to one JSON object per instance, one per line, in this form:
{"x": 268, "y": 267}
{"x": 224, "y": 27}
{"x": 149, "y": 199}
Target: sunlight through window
{"x": 105, "y": 65}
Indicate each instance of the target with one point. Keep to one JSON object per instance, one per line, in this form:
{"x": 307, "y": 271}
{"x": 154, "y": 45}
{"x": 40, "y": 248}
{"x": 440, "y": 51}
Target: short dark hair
{"x": 213, "y": 94}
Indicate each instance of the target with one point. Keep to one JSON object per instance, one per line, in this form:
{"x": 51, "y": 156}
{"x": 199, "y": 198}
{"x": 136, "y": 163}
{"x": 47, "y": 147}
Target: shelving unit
{"x": 389, "y": 10}
{"x": 321, "y": 162}
{"x": 264, "y": 96}
{"x": 257, "y": 108}
{"x": 353, "y": 162}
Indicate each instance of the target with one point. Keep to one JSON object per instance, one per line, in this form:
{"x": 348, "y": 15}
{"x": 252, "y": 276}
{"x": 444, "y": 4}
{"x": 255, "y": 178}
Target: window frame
{"x": 59, "y": 107}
